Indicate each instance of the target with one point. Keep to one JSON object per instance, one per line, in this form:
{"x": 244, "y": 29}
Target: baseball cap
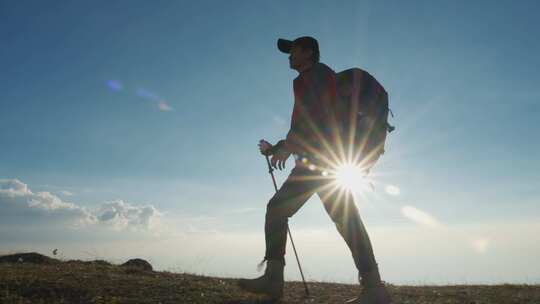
{"x": 306, "y": 42}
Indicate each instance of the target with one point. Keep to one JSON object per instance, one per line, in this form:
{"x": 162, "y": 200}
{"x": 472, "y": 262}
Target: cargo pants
{"x": 301, "y": 184}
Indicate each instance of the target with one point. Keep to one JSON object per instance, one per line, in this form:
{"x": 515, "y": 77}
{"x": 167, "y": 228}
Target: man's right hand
{"x": 265, "y": 147}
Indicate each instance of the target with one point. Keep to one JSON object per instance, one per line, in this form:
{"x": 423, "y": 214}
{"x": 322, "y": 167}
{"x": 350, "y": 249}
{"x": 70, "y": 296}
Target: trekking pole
{"x": 271, "y": 171}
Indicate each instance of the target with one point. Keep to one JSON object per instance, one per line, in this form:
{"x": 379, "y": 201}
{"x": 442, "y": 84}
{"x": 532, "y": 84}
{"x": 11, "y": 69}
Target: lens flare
{"x": 392, "y": 190}
{"x": 114, "y": 85}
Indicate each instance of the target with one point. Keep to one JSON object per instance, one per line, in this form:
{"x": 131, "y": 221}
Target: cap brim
{"x": 284, "y": 45}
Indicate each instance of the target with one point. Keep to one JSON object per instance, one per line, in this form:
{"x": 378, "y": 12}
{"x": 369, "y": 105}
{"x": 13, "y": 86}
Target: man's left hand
{"x": 279, "y": 158}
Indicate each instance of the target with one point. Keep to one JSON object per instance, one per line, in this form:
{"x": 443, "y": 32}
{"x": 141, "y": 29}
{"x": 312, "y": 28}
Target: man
{"x": 312, "y": 140}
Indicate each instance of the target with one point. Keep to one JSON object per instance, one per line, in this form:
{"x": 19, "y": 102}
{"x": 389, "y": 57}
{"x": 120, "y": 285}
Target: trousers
{"x": 301, "y": 184}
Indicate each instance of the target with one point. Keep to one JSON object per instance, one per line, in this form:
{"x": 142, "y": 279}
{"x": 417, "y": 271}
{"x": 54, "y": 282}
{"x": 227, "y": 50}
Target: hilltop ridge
{"x": 36, "y": 278}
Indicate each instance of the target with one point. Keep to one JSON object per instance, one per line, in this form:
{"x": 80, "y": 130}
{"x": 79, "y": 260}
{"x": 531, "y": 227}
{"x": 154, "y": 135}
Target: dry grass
{"x": 86, "y": 282}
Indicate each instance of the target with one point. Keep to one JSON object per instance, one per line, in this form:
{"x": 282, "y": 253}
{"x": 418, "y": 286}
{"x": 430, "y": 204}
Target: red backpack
{"x": 362, "y": 112}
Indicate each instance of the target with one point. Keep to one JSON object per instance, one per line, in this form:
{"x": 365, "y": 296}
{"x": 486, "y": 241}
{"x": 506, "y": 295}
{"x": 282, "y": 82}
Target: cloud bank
{"x": 20, "y": 206}
{"x": 121, "y": 216}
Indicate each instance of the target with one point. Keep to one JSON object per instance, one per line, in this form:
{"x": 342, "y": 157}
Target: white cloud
{"x": 420, "y": 217}
{"x": 65, "y": 193}
{"x": 17, "y": 201}
{"x": 121, "y": 215}
{"x": 13, "y": 186}
{"x": 20, "y": 206}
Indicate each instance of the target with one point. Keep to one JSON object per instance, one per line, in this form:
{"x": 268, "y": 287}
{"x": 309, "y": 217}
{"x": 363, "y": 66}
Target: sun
{"x": 350, "y": 177}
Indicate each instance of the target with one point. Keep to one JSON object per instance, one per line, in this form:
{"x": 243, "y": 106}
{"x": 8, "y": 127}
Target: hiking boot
{"x": 373, "y": 290}
{"x": 372, "y": 295}
{"x": 271, "y": 283}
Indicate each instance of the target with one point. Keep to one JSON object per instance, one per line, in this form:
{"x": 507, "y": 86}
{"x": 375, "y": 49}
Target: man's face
{"x": 299, "y": 57}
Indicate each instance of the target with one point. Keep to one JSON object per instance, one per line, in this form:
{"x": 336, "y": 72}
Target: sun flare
{"x": 350, "y": 177}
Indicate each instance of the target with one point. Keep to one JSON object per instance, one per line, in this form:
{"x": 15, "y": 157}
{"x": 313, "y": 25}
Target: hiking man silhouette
{"x": 310, "y": 139}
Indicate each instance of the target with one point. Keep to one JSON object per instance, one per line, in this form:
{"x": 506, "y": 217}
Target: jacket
{"x": 313, "y": 113}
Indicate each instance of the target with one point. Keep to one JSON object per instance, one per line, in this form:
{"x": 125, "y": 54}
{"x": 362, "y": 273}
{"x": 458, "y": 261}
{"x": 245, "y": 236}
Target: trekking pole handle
{"x": 271, "y": 171}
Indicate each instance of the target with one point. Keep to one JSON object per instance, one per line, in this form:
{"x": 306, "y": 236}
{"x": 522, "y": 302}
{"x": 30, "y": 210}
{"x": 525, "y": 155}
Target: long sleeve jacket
{"x": 314, "y": 100}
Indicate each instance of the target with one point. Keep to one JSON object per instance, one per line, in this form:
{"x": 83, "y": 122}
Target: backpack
{"x": 362, "y": 116}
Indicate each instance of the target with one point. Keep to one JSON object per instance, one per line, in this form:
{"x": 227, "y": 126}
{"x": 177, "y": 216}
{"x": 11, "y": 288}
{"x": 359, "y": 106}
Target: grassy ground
{"x": 54, "y": 281}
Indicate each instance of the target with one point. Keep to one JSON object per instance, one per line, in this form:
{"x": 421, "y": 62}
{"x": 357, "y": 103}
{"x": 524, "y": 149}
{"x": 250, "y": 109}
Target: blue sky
{"x": 160, "y": 105}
